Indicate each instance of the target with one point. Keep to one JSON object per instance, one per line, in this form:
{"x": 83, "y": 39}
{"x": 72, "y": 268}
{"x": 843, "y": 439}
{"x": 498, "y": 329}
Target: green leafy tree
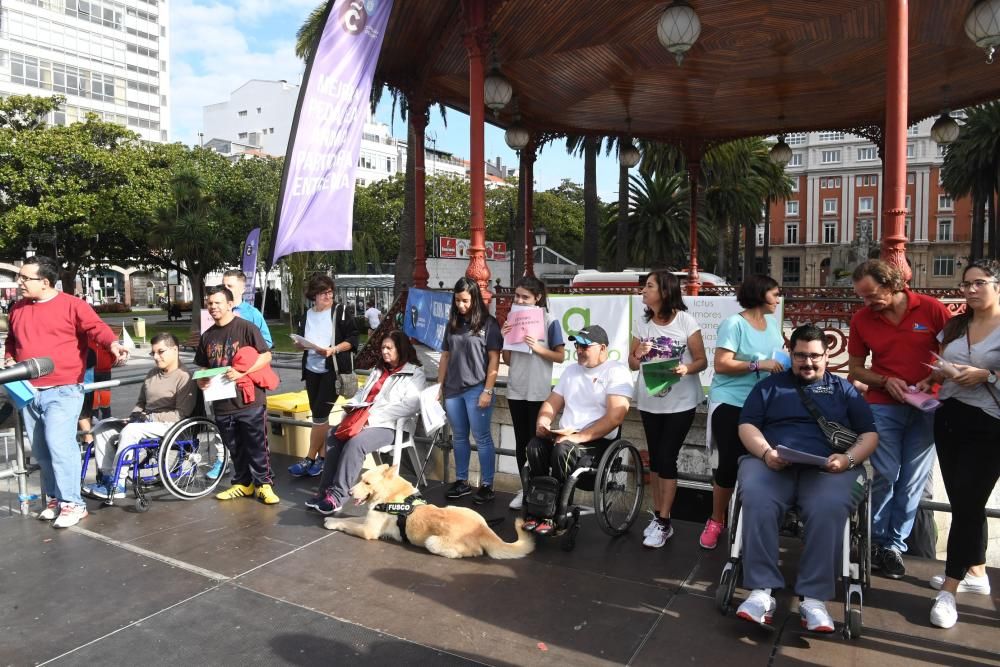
{"x": 27, "y": 112}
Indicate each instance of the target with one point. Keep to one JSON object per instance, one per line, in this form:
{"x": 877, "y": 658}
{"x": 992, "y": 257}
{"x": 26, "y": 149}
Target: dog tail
{"x": 497, "y": 548}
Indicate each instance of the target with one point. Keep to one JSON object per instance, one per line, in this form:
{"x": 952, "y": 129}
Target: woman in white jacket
{"x": 392, "y": 391}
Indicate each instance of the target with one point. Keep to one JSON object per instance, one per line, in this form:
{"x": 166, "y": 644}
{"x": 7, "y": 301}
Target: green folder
{"x": 209, "y": 372}
{"x": 659, "y": 375}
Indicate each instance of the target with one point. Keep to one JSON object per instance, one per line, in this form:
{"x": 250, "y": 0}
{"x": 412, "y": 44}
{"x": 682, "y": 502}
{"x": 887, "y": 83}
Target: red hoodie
{"x": 265, "y": 378}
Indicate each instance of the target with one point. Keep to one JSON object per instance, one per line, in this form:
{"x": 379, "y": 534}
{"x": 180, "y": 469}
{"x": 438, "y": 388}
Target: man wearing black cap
{"x": 593, "y": 397}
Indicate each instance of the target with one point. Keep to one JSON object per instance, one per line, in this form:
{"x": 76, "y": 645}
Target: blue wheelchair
{"x": 178, "y": 461}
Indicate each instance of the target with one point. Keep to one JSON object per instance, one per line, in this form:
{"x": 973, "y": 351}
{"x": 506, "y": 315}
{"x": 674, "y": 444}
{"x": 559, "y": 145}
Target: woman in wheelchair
{"x": 593, "y": 396}
{"x": 392, "y": 391}
{"x": 167, "y": 396}
{"x": 826, "y": 490}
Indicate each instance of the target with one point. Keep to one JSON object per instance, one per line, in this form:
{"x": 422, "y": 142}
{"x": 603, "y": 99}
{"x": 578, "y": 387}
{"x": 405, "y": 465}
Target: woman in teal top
{"x": 744, "y": 354}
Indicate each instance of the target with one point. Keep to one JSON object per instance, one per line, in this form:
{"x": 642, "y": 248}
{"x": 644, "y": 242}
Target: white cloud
{"x": 217, "y": 47}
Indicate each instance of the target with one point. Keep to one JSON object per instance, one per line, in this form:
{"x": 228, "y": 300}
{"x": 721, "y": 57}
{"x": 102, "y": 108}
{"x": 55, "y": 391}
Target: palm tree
{"x": 972, "y": 167}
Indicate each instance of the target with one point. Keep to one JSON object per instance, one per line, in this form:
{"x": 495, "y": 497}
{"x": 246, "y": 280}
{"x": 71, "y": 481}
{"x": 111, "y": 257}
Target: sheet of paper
{"x": 220, "y": 388}
{"x": 203, "y": 373}
{"x": 795, "y": 456}
{"x": 306, "y": 343}
{"x": 659, "y": 375}
{"x": 431, "y": 411}
{"x": 525, "y": 321}
{"x": 922, "y": 401}
{"x": 564, "y": 431}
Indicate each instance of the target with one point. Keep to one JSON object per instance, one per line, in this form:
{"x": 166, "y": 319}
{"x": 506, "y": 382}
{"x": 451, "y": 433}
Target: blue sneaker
{"x": 301, "y": 469}
{"x": 316, "y": 469}
{"x": 100, "y": 490}
{"x": 215, "y": 472}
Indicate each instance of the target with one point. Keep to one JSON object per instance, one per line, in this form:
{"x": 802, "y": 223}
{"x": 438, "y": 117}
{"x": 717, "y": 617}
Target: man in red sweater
{"x": 50, "y": 323}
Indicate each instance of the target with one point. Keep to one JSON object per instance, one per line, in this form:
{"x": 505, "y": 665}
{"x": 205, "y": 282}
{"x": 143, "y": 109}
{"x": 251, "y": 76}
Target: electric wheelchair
{"x": 856, "y": 566}
{"x": 179, "y": 461}
{"x": 616, "y": 481}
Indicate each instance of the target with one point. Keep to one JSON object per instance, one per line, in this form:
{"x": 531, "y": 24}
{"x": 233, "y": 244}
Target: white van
{"x": 631, "y": 278}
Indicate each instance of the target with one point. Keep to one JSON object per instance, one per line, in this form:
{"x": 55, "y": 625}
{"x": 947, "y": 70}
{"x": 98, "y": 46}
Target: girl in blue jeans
{"x": 470, "y": 358}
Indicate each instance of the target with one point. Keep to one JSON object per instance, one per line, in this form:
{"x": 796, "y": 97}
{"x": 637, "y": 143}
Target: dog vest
{"x": 401, "y": 510}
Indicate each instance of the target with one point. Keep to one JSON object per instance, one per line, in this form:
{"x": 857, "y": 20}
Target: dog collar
{"x": 403, "y": 508}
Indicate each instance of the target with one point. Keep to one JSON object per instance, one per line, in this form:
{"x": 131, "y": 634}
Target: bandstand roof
{"x": 759, "y": 66}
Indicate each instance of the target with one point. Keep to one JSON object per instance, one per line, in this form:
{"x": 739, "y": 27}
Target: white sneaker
{"x": 815, "y": 617}
{"x": 518, "y": 501}
{"x": 971, "y": 584}
{"x": 758, "y": 608}
{"x": 943, "y": 613}
{"x": 50, "y": 512}
{"x": 653, "y": 523}
{"x": 70, "y": 515}
{"x": 658, "y": 536}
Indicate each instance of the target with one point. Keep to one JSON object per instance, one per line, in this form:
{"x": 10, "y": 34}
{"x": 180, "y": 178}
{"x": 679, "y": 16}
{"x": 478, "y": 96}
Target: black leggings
{"x": 523, "y": 415}
{"x": 725, "y": 431}
{"x": 966, "y": 440}
{"x": 665, "y": 434}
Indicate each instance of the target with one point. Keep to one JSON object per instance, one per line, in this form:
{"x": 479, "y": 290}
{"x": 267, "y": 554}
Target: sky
{"x": 218, "y": 45}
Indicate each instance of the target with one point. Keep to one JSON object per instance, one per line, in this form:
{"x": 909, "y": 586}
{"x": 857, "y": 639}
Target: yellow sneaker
{"x": 266, "y": 495}
{"x": 236, "y": 491}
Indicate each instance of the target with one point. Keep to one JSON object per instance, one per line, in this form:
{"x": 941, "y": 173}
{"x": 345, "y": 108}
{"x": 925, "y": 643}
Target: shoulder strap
{"x": 810, "y": 404}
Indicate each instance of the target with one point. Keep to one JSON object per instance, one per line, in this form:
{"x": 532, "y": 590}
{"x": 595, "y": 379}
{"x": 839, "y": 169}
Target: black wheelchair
{"x": 179, "y": 461}
{"x": 617, "y": 484}
{"x": 856, "y": 564}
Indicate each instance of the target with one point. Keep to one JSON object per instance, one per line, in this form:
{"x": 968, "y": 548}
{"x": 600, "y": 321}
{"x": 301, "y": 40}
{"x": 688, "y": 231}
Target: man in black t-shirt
{"x": 243, "y": 425}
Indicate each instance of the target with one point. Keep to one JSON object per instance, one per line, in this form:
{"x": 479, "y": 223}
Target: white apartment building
{"x": 109, "y": 57}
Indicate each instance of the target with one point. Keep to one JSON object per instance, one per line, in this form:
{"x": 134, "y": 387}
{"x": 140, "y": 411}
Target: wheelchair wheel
{"x": 187, "y": 452}
{"x": 727, "y": 585}
{"x": 618, "y": 488}
{"x": 865, "y": 519}
{"x": 852, "y": 624}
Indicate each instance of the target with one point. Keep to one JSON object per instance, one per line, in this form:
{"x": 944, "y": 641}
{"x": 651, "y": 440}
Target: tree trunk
{"x": 68, "y": 277}
{"x": 591, "y": 215}
{"x": 767, "y": 238}
{"x": 978, "y": 227}
{"x": 407, "y": 233}
{"x": 749, "y": 250}
{"x": 621, "y": 235}
{"x": 197, "y": 279}
{"x": 720, "y": 248}
{"x": 734, "y": 250}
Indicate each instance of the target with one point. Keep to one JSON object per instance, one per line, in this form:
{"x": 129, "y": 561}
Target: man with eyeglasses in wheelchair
{"x": 593, "y": 396}
{"x": 826, "y": 491}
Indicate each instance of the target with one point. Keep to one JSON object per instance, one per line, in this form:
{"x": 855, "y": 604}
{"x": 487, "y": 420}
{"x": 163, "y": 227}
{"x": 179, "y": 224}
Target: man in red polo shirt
{"x": 899, "y": 329}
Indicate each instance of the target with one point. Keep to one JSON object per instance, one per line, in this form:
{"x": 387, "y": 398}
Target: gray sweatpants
{"x": 825, "y": 501}
{"x": 345, "y": 459}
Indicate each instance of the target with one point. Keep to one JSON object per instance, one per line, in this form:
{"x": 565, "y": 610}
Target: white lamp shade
{"x": 541, "y": 236}
{"x": 945, "y": 129}
{"x": 629, "y": 156}
{"x": 982, "y": 23}
{"x": 517, "y": 137}
{"x": 780, "y": 153}
{"x": 678, "y": 28}
{"x": 497, "y": 91}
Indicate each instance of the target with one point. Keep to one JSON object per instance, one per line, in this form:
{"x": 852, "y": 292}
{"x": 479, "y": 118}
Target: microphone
{"x": 29, "y": 369}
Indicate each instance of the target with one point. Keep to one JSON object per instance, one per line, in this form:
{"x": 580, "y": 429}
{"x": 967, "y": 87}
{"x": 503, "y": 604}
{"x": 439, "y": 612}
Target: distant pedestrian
{"x": 236, "y": 281}
{"x": 374, "y": 317}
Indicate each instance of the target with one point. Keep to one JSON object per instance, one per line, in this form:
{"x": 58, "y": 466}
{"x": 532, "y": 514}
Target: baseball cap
{"x": 592, "y": 335}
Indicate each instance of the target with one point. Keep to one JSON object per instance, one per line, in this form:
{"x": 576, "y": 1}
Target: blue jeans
{"x": 464, "y": 414}
{"x": 50, "y": 421}
{"x": 903, "y": 459}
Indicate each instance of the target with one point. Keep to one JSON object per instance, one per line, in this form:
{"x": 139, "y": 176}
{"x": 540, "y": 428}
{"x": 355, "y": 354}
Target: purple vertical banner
{"x": 250, "y": 248}
{"x": 316, "y": 203}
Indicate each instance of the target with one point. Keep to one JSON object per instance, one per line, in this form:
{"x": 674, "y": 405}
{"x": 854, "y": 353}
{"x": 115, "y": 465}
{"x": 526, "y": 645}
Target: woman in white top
{"x": 666, "y": 331}
{"x": 530, "y": 378}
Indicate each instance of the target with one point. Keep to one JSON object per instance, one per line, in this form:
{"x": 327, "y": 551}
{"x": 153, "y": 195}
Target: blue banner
{"x": 426, "y": 316}
{"x": 250, "y": 264}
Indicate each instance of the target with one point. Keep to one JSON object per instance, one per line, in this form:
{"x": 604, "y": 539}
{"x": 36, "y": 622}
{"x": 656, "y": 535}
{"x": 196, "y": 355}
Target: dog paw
{"x": 331, "y": 523}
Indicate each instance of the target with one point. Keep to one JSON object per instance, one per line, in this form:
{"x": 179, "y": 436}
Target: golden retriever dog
{"x": 452, "y": 532}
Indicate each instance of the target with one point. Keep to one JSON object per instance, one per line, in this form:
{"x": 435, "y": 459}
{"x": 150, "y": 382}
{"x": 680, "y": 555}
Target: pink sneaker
{"x": 710, "y": 535}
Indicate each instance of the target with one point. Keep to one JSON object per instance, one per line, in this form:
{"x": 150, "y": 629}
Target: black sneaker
{"x": 458, "y": 489}
{"x": 892, "y": 563}
{"x": 484, "y": 494}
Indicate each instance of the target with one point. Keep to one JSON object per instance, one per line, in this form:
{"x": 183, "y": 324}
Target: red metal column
{"x": 475, "y": 43}
{"x": 694, "y": 175}
{"x": 418, "y": 123}
{"x": 528, "y": 176}
{"x": 897, "y": 74}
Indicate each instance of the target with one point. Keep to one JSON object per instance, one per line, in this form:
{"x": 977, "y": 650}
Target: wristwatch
{"x": 488, "y": 391}
{"x": 850, "y": 460}
{"x": 992, "y": 378}
{"x": 753, "y": 366}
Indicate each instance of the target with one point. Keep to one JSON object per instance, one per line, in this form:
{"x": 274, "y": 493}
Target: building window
{"x": 944, "y": 265}
{"x": 831, "y": 136}
{"x": 913, "y": 130}
{"x": 258, "y": 109}
{"x": 866, "y": 153}
{"x": 388, "y": 164}
{"x": 829, "y": 207}
{"x": 794, "y": 180}
{"x": 760, "y": 235}
{"x": 945, "y": 203}
{"x": 911, "y": 151}
{"x": 791, "y": 207}
{"x": 830, "y": 182}
{"x": 790, "y": 271}
{"x": 242, "y": 114}
{"x": 944, "y": 229}
{"x": 360, "y": 181}
{"x": 795, "y": 138}
{"x": 867, "y": 181}
{"x": 241, "y": 135}
{"x": 866, "y": 204}
{"x": 791, "y": 233}
{"x": 907, "y": 203}
{"x": 908, "y": 228}
{"x": 942, "y": 150}
{"x": 796, "y": 160}
{"x": 911, "y": 178}
{"x": 830, "y": 157}
{"x": 830, "y": 231}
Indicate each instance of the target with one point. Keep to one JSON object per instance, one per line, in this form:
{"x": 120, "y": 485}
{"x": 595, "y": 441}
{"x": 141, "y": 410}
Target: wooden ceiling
{"x": 759, "y": 67}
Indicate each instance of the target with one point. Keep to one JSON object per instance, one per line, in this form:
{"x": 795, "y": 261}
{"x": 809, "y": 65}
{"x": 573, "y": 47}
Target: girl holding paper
{"x": 467, "y": 373}
{"x": 966, "y": 433}
{"x": 668, "y": 351}
{"x": 530, "y": 378}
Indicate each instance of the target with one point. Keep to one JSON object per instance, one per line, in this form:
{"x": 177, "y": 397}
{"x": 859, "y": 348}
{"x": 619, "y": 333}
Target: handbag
{"x": 352, "y": 424}
{"x": 345, "y": 384}
{"x": 839, "y": 436}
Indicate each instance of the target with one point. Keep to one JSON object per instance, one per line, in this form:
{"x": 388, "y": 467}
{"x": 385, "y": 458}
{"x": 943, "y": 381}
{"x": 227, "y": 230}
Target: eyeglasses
{"x": 964, "y": 285}
{"x": 21, "y": 278}
{"x": 160, "y": 353}
{"x": 802, "y": 356}
{"x": 329, "y": 292}
{"x": 581, "y": 346}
